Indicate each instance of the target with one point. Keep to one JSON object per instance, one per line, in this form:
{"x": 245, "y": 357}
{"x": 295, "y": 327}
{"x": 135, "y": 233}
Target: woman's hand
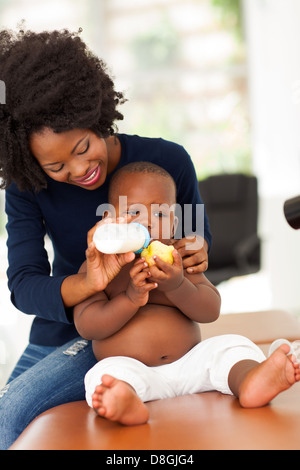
{"x": 193, "y": 251}
{"x": 102, "y": 268}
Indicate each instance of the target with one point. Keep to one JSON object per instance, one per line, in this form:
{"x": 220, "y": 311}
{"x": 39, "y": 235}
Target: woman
{"x": 58, "y": 151}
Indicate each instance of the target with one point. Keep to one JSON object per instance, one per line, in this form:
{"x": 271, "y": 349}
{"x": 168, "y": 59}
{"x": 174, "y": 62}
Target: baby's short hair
{"x": 138, "y": 167}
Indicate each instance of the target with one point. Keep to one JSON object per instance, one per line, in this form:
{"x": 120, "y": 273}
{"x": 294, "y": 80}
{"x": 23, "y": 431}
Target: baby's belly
{"x": 154, "y": 336}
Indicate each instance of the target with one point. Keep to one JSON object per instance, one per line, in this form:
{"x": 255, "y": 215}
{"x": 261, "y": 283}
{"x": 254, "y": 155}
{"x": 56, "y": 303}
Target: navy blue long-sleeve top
{"x": 66, "y": 213}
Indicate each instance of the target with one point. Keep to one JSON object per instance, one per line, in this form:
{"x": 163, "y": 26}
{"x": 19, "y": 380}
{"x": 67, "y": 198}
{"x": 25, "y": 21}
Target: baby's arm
{"x": 99, "y": 317}
{"x": 192, "y": 294}
{"x": 199, "y": 300}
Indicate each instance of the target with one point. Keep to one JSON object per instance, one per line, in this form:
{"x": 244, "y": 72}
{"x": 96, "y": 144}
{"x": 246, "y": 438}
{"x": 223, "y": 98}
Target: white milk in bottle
{"x": 121, "y": 238}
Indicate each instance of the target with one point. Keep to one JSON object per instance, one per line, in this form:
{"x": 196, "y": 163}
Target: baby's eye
{"x": 159, "y": 214}
{"x": 133, "y": 212}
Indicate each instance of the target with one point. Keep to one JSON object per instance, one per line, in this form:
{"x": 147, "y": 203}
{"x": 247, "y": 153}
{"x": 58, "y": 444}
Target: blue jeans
{"x": 43, "y": 378}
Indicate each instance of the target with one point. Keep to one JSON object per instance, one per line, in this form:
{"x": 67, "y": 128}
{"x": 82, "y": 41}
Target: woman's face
{"x": 77, "y": 157}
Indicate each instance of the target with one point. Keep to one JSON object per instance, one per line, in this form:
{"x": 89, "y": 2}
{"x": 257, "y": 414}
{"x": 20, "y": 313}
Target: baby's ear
{"x": 175, "y": 225}
{"x": 106, "y": 214}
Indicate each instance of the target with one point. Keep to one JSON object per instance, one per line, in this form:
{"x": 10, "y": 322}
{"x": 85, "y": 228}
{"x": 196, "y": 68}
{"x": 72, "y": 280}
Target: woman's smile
{"x": 76, "y": 157}
{"x": 90, "y": 178}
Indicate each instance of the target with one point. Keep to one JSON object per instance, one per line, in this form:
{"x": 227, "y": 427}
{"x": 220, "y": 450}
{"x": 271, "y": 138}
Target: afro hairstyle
{"x": 52, "y": 80}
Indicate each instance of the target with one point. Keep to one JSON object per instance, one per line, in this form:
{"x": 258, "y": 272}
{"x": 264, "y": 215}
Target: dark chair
{"x": 231, "y": 203}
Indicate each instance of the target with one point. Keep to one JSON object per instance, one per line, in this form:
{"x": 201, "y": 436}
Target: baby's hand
{"x": 138, "y": 288}
{"x": 167, "y": 276}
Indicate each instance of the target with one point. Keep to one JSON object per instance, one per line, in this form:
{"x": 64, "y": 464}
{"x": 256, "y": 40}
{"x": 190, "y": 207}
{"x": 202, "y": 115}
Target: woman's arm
{"x": 33, "y": 289}
{"x": 99, "y": 270}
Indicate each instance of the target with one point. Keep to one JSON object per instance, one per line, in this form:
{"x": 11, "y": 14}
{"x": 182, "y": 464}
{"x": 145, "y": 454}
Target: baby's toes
{"x": 100, "y": 389}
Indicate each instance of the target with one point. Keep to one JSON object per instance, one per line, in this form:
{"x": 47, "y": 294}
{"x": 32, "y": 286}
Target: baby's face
{"x": 150, "y": 198}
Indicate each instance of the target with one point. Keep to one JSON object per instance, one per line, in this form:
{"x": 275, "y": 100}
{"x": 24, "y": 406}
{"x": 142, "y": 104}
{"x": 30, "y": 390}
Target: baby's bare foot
{"x": 117, "y": 401}
{"x": 265, "y": 381}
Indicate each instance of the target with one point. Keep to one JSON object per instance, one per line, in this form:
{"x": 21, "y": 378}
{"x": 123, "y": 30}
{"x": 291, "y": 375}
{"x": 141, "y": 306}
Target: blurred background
{"x": 221, "y": 78}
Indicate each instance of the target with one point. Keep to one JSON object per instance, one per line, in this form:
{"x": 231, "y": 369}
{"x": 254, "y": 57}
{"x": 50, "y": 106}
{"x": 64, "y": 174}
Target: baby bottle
{"x": 121, "y": 238}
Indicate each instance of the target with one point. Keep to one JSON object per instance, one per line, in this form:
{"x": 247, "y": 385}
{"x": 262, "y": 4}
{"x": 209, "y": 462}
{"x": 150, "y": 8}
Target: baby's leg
{"x": 118, "y": 387}
{"x": 256, "y": 384}
{"x": 117, "y": 401}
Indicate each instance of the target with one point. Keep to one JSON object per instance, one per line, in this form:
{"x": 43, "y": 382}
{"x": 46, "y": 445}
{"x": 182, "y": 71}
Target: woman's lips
{"x": 91, "y": 178}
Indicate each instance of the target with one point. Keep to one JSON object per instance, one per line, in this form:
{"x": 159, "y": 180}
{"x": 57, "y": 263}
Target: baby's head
{"x": 147, "y": 192}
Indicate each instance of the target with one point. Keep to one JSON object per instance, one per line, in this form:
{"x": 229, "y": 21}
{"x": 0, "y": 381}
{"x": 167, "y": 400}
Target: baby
{"x": 145, "y": 325}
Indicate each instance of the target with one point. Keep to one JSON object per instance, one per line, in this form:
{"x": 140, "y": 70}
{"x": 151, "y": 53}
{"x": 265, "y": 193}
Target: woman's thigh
{"x": 56, "y": 379}
{"x": 31, "y": 356}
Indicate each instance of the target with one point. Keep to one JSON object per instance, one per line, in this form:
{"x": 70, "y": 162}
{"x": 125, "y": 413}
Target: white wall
{"x": 14, "y": 325}
{"x": 273, "y": 41}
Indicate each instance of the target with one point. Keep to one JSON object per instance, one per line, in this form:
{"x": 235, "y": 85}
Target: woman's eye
{"x": 86, "y": 149}
{"x": 58, "y": 169}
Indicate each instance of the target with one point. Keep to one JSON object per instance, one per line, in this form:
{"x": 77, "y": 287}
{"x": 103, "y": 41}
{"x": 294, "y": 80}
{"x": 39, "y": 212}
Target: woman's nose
{"x": 78, "y": 168}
